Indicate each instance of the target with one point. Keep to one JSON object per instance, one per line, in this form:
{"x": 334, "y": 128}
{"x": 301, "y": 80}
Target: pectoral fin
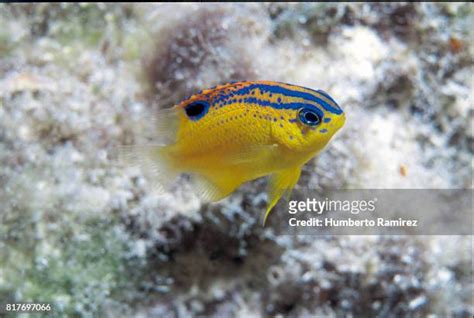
{"x": 281, "y": 182}
{"x": 252, "y": 153}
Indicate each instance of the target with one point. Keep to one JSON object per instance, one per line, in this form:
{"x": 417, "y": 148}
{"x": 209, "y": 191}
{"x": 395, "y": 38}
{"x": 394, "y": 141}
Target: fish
{"x": 233, "y": 133}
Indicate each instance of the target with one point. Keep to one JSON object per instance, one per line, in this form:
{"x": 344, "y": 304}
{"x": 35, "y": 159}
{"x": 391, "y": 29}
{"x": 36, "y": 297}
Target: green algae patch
{"x": 77, "y": 276}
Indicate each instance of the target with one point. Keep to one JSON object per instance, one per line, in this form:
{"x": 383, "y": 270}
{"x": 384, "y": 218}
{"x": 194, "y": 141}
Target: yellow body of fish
{"x": 241, "y": 131}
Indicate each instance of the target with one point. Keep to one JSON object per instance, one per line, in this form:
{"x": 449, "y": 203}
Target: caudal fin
{"x": 152, "y": 160}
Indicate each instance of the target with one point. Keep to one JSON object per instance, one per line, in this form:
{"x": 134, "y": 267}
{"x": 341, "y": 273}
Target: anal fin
{"x": 216, "y": 186}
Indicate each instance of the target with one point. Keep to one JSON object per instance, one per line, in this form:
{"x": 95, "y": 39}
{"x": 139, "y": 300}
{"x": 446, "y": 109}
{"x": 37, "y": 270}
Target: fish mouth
{"x": 340, "y": 121}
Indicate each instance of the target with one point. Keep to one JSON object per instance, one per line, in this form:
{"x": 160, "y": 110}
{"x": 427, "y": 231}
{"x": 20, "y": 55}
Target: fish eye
{"x": 310, "y": 117}
{"x": 196, "y": 110}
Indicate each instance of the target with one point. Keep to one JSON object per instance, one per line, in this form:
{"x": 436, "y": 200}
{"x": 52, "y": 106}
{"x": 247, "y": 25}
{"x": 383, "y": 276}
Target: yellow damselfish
{"x": 233, "y": 133}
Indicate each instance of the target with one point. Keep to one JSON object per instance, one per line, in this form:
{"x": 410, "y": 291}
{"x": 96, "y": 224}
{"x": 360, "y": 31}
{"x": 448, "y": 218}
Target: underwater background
{"x": 91, "y": 237}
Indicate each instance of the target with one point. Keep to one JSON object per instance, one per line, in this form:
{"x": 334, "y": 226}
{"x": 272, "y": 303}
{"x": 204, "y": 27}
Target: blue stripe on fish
{"x": 254, "y": 100}
{"x": 290, "y": 93}
{"x": 320, "y": 91}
